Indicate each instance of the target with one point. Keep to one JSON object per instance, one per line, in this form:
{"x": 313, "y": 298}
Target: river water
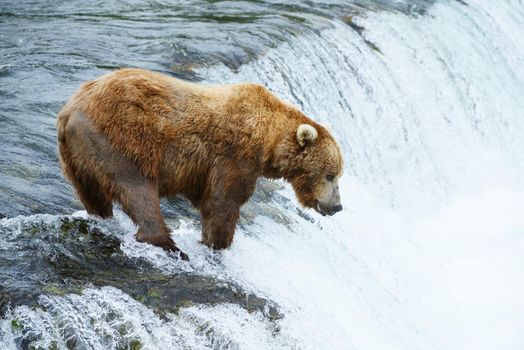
{"x": 426, "y": 99}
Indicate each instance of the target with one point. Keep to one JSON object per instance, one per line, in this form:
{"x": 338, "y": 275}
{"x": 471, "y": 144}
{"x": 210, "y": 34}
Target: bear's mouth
{"x": 319, "y": 209}
{"x": 330, "y": 210}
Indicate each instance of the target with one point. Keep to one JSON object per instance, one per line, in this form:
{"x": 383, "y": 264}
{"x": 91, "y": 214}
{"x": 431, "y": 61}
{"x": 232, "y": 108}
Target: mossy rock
{"x": 73, "y": 253}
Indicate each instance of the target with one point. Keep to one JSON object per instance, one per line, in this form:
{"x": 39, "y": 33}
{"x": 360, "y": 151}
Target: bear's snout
{"x": 336, "y": 209}
{"x": 328, "y": 210}
{"x": 328, "y": 202}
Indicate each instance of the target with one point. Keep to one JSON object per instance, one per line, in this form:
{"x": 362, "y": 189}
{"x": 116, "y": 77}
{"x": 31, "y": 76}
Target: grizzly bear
{"x": 133, "y": 136}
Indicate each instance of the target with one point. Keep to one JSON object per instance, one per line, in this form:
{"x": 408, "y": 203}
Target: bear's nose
{"x": 337, "y": 208}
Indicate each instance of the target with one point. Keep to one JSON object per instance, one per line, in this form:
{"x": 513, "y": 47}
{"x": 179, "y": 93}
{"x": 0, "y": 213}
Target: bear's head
{"x": 318, "y": 167}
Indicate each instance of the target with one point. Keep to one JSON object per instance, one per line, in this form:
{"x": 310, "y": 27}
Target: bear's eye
{"x": 329, "y": 177}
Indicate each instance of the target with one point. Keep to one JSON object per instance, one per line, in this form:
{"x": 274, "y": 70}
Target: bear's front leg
{"x": 218, "y": 226}
{"x": 228, "y": 188}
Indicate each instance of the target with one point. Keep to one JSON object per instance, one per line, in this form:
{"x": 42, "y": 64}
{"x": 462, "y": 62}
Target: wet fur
{"x": 134, "y": 136}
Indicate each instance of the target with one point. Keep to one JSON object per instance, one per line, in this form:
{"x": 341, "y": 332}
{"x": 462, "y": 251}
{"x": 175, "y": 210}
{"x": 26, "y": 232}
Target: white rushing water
{"x": 428, "y": 253}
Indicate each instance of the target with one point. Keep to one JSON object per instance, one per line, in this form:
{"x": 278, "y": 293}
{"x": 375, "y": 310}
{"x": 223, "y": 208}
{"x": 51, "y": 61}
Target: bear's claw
{"x": 163, "y": 241}
{"x": 172, "y": 248}
{"x": 183, "y": 255}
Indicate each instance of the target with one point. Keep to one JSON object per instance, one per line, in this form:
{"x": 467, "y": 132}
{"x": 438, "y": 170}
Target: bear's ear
{"x": 306, "y": 134}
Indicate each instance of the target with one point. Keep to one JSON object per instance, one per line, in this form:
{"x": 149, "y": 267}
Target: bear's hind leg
{"x": 101, "y": 174}
{"x": 95, "y": 199}
{"x": 92, "y": 196}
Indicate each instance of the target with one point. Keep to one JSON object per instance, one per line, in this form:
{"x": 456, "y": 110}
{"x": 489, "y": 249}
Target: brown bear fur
{"x": 134, "y": 136}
